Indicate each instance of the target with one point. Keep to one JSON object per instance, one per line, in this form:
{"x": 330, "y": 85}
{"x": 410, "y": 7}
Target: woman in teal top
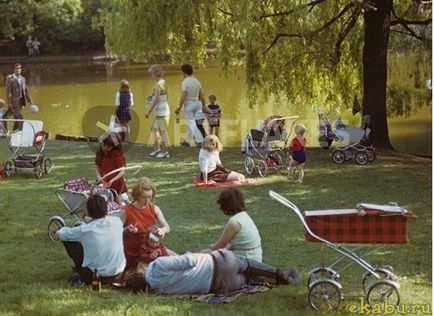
{"x": 240, "y": 233}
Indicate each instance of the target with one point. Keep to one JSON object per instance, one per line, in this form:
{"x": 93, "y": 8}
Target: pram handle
{"x": 283, "y": 118}
{"x": 342, "y": 250}
{"x": 135, "y": 167}
{"x": 296, "y": 210}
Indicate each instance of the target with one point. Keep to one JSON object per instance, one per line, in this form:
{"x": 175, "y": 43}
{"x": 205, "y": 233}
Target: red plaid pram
{"x": 365, "y": 225}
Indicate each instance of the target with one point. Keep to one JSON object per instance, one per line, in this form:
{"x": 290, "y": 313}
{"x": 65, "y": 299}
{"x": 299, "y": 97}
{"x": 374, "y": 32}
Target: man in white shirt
{"x": 96, "y": 246}
{"x": 192, "y": 99}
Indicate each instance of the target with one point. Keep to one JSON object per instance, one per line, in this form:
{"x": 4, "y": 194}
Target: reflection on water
{"x": 73, "y": 97}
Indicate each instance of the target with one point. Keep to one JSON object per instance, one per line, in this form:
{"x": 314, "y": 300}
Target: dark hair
{"x": 17, "y": 65}
{"x": 136, "y": 282}
{"x": 231, "y": 201}
{"x": 108, "y": 141}
{"x": 96, "y": 206}
{"x": 187, "y": 69}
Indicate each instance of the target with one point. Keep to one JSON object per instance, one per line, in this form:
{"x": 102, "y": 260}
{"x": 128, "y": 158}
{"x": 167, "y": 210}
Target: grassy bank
{"x": 35, "y": 269}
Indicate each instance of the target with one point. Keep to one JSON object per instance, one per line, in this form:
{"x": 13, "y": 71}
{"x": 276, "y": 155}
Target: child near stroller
{"x": 74, "y": 195}
{"x": 267, "y": 145}
{"x": 351, "y": 141}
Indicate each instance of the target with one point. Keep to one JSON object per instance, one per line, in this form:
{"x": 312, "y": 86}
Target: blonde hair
{"x": 300, "y": 130}
{"x": 2, "y": 103}
{"x": 212, "y": 143}
{"x": 156, "y": 70}
{"x": 125, "y": 86}
{"x": 144, "y": 184}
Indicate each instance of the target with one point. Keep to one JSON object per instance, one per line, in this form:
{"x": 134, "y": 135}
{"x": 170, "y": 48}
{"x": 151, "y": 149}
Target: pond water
{"x": 73, "y": 97}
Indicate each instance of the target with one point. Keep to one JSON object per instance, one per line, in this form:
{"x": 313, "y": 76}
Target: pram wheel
{"x": 383, "y": 291}
{"x": 371, "y": 154}
{"x": 48, "y": 165}
{"x": 249, "y": 165}
{"x": 338, "y": 156}
{"x": 325, "y": 295}
{"x": 54, "y": 224}
{"x": 321, "y": 273}
{"x": 262, "y": 168}
{"x": 368, "y": 278}
{"x": 361, "y": 158}
{"x": 8, "y": 168}
{"x": 38, "y": 171}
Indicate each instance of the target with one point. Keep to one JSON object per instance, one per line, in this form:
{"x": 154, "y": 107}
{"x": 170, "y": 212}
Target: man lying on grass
{"x": 95, "y": 246}
{"x": 218, "y": 272}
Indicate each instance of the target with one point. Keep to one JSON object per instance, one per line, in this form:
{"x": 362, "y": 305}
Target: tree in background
{"x": 61, "y": 26}
{"x": 311, "y": 52}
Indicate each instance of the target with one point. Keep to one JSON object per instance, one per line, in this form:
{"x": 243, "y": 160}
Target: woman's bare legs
{"x": 235, "y": 176}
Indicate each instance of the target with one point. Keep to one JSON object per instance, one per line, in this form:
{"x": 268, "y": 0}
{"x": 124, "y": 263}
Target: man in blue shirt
{"x": 97, "y": 245}
{"x": 220, "y": 271}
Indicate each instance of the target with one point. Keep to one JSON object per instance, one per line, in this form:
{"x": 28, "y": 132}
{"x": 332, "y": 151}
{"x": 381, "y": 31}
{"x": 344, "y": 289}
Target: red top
{"x": 109, "y": 161}
{"x": 298, "y": 144}
{"x": 136, "y": 244}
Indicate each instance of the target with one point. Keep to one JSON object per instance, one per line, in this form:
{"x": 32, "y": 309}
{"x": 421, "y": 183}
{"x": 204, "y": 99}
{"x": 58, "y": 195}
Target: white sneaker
{"x": 163, "y": 155}
{"x": 154, "y": 153}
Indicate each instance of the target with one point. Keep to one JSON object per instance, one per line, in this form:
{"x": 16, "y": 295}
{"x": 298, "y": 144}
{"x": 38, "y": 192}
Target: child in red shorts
{"x": 298, "y": 157}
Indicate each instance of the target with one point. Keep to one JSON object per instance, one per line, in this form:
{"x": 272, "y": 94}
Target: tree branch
{"x": 284, "y": 13}
{"x": 406, "y": 25}
{"x": 276, "y": 38}
{"x": 399, "y": 20}
{"x": 343, "y": 34}
{"x": 322, "y": 28}
{"x": 334, "y": 19}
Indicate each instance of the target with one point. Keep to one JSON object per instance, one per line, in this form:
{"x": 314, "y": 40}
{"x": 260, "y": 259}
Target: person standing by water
{"x": 162, "y": 113}
{"x": 17, "y": 95}
{"x": 123, "y": 102}
{"x": 191, "y": 99}
{"x": 36, "y": 45}
{"x": 29, "y": 45}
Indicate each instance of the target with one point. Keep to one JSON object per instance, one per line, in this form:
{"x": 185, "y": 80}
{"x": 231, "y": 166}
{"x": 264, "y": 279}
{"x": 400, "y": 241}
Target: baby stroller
{"x": 267, "y": 147}
{"x": 27, "y": 145}
{"x": 74, "y": 195}
{"x": 351, "y": 140}
{"x": 367, "y": 223}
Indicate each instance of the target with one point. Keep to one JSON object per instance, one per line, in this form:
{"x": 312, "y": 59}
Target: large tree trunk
{"x": 377, "y": 27}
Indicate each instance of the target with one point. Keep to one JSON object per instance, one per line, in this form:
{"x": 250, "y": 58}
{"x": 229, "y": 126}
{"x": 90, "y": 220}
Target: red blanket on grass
{"x": 199, "y": 183}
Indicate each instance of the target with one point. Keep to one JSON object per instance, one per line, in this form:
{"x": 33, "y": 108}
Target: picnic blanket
{"x": 249, "y": 288}
{"x": 199, "y": 183}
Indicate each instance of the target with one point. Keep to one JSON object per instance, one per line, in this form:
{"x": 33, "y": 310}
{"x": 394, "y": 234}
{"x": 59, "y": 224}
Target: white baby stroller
{"x": 27, "y": 145}
{"x": 74, "y": 195}
{"x": 350, "y": 140}
{"x": 365, "y": 224}
{"x": 267, "y": 147}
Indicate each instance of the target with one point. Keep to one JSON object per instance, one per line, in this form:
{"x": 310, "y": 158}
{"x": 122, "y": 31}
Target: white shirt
{"x": 208, "y": 161}
{"x": 102, "y": 244}
{"x": 192, "y": 86}
{"x": 118, "y": 100}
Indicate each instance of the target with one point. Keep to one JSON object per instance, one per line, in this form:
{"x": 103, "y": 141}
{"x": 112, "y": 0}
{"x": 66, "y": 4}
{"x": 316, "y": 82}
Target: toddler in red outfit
{"x": 298, "y": 157}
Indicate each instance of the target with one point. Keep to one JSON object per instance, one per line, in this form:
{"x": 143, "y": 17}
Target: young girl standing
{"x": 110, "y": 157}
{"x": 298, "y": 148}
{"x": 123, "y": 102}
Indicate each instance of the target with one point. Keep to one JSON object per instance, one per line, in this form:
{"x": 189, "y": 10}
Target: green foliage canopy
{"x": 307, "y": 52}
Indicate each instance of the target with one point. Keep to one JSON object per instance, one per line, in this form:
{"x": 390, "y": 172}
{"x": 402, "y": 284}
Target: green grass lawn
{"x": 34, "y": 272}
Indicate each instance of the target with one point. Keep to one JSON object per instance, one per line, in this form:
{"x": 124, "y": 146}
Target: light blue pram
{"x": 351, "y": 141}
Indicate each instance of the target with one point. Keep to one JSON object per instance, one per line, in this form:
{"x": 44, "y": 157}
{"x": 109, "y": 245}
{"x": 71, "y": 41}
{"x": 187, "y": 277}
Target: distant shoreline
{"x": 55, "y": 59}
